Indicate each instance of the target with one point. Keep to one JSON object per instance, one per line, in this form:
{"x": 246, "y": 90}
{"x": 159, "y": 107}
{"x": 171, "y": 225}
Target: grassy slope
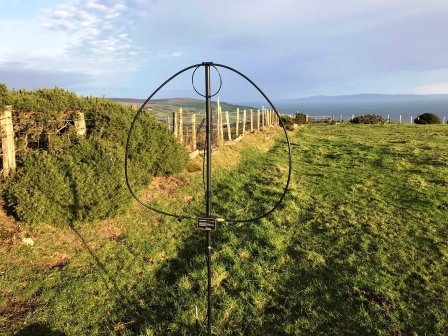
{"x": 359, "y": 247}
{"x": 164, "y": 107}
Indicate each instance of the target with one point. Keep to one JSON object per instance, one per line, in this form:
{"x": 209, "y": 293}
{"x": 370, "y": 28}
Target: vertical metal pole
{"x": 208, "y": 205}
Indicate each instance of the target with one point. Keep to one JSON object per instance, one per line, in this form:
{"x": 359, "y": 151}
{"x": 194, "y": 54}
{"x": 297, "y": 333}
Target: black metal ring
{"x": 126, "y": 173}
{"x": 220, "y": 81}
{"x": 287, "y": 142}
{"x": 180, "y": 217}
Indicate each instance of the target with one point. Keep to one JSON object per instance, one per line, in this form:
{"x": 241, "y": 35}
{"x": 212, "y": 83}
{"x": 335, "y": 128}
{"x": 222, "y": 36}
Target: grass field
{"x": 359, "y": 247}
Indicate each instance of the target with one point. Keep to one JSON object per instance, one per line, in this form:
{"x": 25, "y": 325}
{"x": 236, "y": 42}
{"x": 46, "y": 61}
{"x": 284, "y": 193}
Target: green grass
{"x": 359, "y": 247}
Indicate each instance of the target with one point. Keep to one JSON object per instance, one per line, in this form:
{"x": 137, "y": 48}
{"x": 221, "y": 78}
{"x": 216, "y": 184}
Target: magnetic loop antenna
{"x": 140, "y": 111}
{"x": 194, "y": 87}
{"x": 207, "y": 222}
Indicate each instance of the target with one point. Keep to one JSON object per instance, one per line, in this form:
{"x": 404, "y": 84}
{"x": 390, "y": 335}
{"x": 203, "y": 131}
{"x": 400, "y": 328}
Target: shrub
{"x": 153, "y": 151}
{"x": 82, "y": 184}
{"x": 288, "y": 122}
{"x": 428, "y": 118}
{"x": 39, "y": 192}
{"x": 300, "y": 118}
{"x": 71, "y": 179}
{"x": 4, "y": 96}
{"x": 368, "y": 119}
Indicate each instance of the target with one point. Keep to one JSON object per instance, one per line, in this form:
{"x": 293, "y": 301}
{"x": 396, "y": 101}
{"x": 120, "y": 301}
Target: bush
{"x": 69, "y": 179}
{"x": 39, "y": 192}
{"x": 300, "y": 118}
{"x": 4, "y": 96}
{"x": 428, "y": 118}
{"x": 288, "y": 122}
{"x": 82, "y": 184}
{"x": 153, "y": 151}
{"x": 368, "y": 119}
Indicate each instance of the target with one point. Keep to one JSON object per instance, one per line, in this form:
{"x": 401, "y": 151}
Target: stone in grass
{"x": 27, "y": 241}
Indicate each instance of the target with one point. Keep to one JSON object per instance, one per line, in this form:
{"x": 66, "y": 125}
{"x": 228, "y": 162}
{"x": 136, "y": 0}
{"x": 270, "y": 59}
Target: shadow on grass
{"x": 104, "y": 274}
{"x": 39, "y": 329}
{"x": 166, "y": 302}
{"x": 109, "y": 280}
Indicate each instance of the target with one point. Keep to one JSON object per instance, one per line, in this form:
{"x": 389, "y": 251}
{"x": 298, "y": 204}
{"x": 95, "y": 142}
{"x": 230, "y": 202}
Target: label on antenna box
{"x": 207, "y": 223}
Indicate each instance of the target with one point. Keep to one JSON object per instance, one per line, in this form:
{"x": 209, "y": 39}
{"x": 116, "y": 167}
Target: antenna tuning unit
{"x": 208, "y": 223}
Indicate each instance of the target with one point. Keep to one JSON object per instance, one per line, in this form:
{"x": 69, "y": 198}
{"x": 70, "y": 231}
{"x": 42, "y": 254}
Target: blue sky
{"x": 290, "y": 48}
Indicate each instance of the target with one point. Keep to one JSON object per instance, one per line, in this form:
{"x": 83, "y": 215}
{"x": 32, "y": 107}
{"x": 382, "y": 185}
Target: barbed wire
{"x": 47, "y": 122}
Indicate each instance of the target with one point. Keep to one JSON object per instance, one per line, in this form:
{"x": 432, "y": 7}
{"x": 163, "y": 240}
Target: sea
{"x": 391, "y": 110}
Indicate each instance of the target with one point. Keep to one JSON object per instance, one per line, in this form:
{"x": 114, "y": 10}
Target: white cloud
{"x": 84, "y": 36}
{"x": 293, "y": 44}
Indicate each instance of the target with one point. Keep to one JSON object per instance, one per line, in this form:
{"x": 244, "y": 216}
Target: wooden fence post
{"x": 221, "y": 127}
{"x": 251, "y": 121}
{"x": 218, "y": 120}
{"x": 80, "y": 124}
{"x": 175, "y": 124}
{"x": 8, "y": 146}
{"x": 181, "y": 125}
{"x": 263, "y": 117}
{"x": 185, "y": 132}
{"x": 443, "y": 121}
{"x": 237, "y": 121}
{"x": 400, "y": 118}
{"x": 229, "y": 131}
{"x": 168, "y": 125}
{"x": 258, "y": 120}
{"x": 244, "y": 121}
{"x": 412, "y": 119}
{"x": 218, "y": 128}
{"x": 193, "y": 132}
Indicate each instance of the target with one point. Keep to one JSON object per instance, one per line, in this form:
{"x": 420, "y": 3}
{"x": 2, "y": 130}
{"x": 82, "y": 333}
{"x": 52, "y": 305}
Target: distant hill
{"x": 172, "y": 104}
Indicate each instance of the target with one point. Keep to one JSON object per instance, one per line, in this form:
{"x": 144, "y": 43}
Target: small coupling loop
{"x": 219, "y": 74}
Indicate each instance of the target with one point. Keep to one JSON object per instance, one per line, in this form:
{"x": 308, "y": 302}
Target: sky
{"x": 289, "y": 48}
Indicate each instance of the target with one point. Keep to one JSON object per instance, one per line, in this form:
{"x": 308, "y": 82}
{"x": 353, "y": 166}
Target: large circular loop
{"x": 220, "y": 81}
{"x": 140, "y": 110}
{"x": 196, "y": 66}
{"x": 287, "y": 142}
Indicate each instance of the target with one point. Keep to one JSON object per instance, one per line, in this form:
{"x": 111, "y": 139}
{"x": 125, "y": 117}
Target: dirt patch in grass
{"x": 57, "y": 260}
{"x": 15, "y": 309}
{"x": 10, "y": 229}
{"x": 111, "y": 231}
{"x": 165, "y": 186}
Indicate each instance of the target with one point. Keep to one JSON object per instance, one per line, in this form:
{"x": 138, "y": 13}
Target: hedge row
{"x": 73, "y": 179}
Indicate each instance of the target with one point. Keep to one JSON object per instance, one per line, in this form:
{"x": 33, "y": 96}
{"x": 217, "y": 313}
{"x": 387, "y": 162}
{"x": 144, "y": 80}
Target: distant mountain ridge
{"x": 367, "y": 97}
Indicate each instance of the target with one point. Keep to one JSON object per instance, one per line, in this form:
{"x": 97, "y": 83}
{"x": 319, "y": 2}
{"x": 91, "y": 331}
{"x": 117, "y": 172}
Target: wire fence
{"x": 397, "y": 119}
{"x": 188, "y": 128}
{"x": 227, "y": 126}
